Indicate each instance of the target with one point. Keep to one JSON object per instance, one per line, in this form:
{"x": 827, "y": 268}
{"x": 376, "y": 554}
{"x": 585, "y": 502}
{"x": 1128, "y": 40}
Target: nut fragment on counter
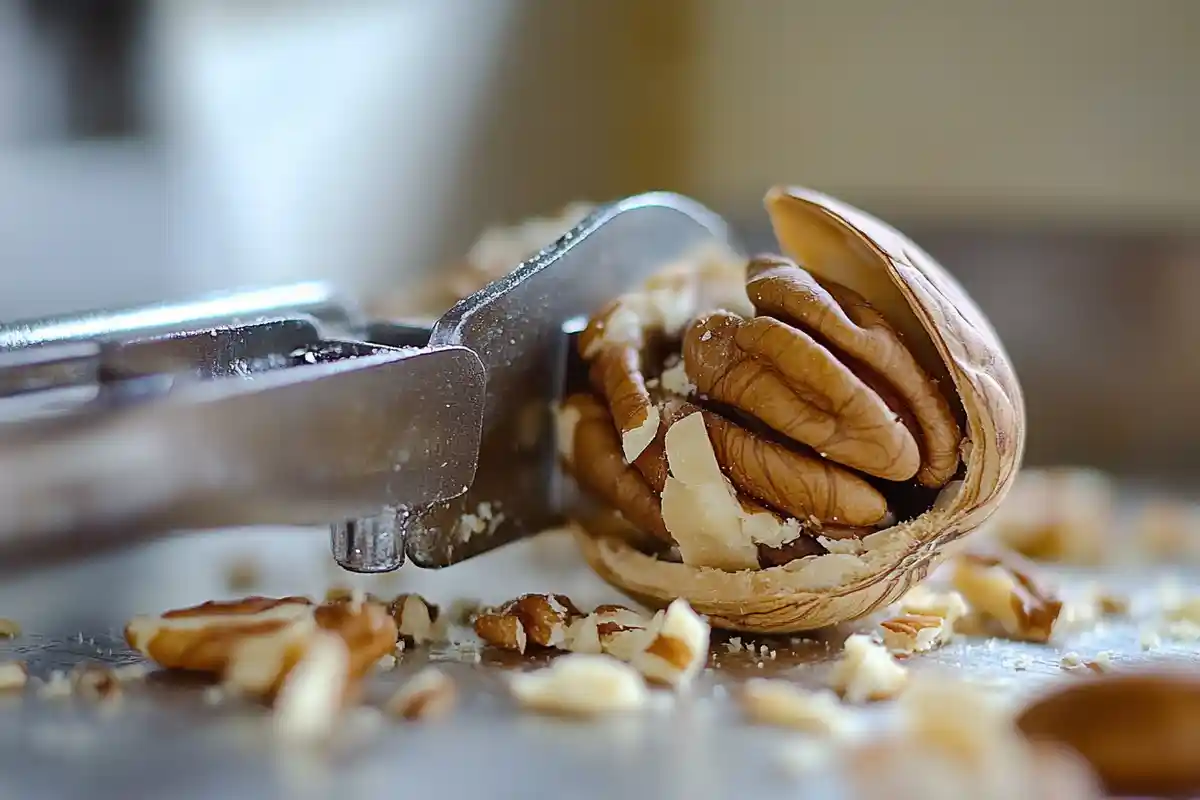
{"x": 783, "y": 704}
{"x": 531, "y": 619}
{"x": 580, "y": 684}
{"x": 823, "y": 440}
{"x": 1111, "y": 604}
{"x": 1138, "y": 731}
{"x": 612, "y": 629}
{"x": 1060, "y": 514}
{"x": 13, "y": 675}
{"x": 312, "y": 691}
{"x": 1004, "y": 589}
{"x": 253, "y": 643}
{"x": 866, "y": 671}
{"x": 926, "y": 620}
{"x": 676, "y": 646}
{"x": 1168, "y": 530}
{"x": 428, "y": 695}
{"x": 95, "y": 682}
{"x": 9, "y": 628}
{"x": 955, "y": 741}
{"x": 415, "y": 618}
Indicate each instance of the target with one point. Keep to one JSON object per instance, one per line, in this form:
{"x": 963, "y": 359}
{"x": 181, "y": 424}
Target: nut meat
{"x": 848, "y": 412}
{"x": 254, "y": 643}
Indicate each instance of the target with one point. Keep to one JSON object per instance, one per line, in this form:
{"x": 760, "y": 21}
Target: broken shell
{"x": 949, "y": 340}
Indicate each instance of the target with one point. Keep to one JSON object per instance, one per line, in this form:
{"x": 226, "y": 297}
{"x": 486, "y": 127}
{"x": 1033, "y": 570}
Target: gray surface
{"x": 164, "y": 741}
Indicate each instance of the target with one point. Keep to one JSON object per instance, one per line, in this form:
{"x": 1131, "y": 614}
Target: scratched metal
{"x": 163, "y": 740}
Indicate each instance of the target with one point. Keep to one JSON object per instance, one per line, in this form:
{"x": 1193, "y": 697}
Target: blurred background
{"x": 1044, "y": 150}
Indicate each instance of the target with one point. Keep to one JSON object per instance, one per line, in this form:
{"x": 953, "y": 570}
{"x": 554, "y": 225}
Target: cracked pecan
{"x": 828, "y": 403}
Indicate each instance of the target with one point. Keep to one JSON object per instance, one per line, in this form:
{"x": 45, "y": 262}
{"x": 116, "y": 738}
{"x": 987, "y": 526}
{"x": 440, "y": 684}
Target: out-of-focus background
{"x": 1044, "y": 151}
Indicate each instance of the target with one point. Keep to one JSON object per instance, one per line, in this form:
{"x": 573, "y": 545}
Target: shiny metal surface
{"x": 312, "y": 299}
{"x": 165, "y": 740}
{"x": 370, "y": 544}
{"x": 311, "y": 430}
{"x": 519, "y": 326}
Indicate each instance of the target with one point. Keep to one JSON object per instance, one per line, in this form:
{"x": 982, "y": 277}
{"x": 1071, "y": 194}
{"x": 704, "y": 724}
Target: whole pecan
{"x": 789, "y": 432}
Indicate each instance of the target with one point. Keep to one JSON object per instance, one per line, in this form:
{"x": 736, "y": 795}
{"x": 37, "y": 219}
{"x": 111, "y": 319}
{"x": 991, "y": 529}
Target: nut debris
{"x": 914, "y": 633}
{"x": 867, "y": 671}
{"x": 581, "y": 684}
{"x": 9, "y": 628}
{"x": 676, "y": 646}
{"x": 1004, "y": 590}
{"x": 1061, "y": 514}
{"x": 1112, "y": 604}
{"x": 1138, "y": 731}
{"x": 428, "y": 695}
{"x": 13, "y": 675}
{"x": 253, "y": 643}
{"x": 95, "y": 682}
{"x": 780, "y": 703}
{"x": 954, "y": 742}
{"x": 927, "y": 621}
{"x": 612, "y": 629}
{"x": 57, "y": 685}
{"x": 537, "y": 619}
{"x": 415, "y": 617}
{"x": 310, "y": 699}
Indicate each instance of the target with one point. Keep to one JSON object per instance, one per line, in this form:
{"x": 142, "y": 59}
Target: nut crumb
{"x": 1060, "y": 514}
{"x": 612, "y": 629}
{"x": 1071, "y": 660}
{"x": 676, "y": 645}
{"x": 13, "y": 676}
{"x": 956, "y": 741}
{"x": 537, "y": 619}
{"x": 95, "y": 682}
{"x": 57, "y": 685}
{"x": 428, "y": 695}
{"x": 310, "y": 698}
{"x": 1101, "y": 663}
{"x": 9, "y": 628}
{"x": 387, "y": 662}
{"x": 922, "y": 600}
{"x": 581, "y": 684}
{"x": 780, "y": 703}
{"x": 243, "y": 574}
{"x": 1112, "y": 605}
{"x": 914, "y": 633}
{"x": 415, "y": 617}
{"x": 1004, "y": 590}
{"x": 1148, "y": 639}
{"x": 867, "y": 671}
{"x": 136, "y": 671}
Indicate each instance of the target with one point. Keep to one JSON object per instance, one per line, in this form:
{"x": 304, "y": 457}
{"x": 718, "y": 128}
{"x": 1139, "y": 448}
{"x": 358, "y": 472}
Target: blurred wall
{"x": 1034, "y": 110}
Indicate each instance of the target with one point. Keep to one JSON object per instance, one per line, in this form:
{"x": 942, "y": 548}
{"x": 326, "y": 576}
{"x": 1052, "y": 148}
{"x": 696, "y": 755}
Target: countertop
{"x": 164, "y": 740}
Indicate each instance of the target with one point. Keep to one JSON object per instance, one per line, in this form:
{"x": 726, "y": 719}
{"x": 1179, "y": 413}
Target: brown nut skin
{"x": 954, "y": 345}
{"x": 1139, "y": 732}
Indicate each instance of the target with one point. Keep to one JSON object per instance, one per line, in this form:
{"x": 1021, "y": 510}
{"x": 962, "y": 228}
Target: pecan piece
{"x": 426, "y": 696}
{"x": 1004, "y": 589}
{"x": 254, "y": 643}
{"x": 538, "y": 619}
{"x": 581, "y": 685}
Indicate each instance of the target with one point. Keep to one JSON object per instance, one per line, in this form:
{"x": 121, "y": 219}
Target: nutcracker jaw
{"x": 286, "y": 407}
